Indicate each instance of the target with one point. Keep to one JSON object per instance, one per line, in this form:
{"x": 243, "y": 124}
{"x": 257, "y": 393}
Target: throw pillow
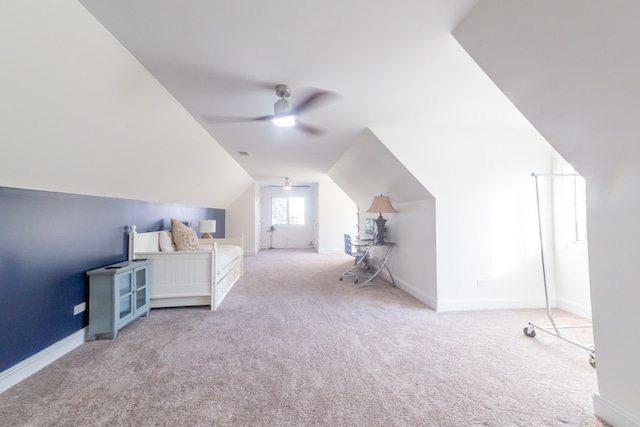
{"x": 184, "y": 237}
{"x": 165, "y": 241}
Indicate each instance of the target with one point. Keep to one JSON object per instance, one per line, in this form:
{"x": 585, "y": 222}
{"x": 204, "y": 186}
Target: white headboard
{"x": 142, "y": 242}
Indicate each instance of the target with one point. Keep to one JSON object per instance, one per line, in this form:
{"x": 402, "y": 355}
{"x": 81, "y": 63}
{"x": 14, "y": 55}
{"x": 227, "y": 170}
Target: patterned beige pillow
{"x": 184, "y": 237}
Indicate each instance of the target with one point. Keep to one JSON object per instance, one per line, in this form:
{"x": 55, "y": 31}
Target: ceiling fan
{"x": 284, "y": 112}
{"x": 287, "y": 185}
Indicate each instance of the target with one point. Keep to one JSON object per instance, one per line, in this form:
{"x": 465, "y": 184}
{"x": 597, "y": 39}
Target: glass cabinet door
{"x": 141, "y": 287}
{"x": 125, "y": 287}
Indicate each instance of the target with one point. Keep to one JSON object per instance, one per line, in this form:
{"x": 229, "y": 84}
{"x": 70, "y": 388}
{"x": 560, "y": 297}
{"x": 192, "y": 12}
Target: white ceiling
{"x": 576, "y": 81}
{"x": 390, "y": 63}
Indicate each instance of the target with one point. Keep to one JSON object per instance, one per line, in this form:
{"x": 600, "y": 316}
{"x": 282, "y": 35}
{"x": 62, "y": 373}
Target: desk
{"x": 366, "y": 246}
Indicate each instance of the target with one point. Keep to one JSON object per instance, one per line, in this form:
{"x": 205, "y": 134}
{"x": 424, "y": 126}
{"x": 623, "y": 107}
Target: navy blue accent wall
{"x": 48, "y": 241}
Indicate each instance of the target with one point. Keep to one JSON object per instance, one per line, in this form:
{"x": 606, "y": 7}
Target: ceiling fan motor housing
{"x": 282, "y": 107}
{"x": 283, "y": 91}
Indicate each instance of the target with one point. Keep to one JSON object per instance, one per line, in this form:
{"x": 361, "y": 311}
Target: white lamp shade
{"x": 207, "y": 226}
{"x": 381, "y": 204}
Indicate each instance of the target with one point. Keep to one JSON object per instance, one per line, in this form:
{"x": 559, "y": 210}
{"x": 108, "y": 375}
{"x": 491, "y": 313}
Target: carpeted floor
{"x": 293, "y": 346}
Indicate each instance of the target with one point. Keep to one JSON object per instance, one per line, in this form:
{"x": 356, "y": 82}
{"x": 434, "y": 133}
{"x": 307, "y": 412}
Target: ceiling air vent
{"x": 243, "y": 153}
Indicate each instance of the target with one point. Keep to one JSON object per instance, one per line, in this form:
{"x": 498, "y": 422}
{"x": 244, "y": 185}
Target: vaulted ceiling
{"x": 572, "y": 68}
{"x": 388, "y": 63}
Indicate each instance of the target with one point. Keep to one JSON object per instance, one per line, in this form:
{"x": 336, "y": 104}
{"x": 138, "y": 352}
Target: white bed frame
{"x": 187, "y": 278}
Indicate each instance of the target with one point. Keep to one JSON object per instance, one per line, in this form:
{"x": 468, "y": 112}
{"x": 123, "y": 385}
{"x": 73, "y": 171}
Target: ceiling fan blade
{"x": 311, "y": 130}
{"x": 227, "y": 119}
{"x": 313, "y": 101}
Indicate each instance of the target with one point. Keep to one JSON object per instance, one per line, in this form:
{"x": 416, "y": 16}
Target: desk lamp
{"x": 207, "y": 226}
{"x": 381, "y": 204}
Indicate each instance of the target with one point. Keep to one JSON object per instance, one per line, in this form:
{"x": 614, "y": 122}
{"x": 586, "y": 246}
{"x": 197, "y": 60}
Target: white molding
{"x": 332, "y": 251}
{"x": 418, "y": 294}
{"x": 612, "y": 414}
{"x": 575, "y": 308}
{"x": 491, "y": 304}
{"x": 33, "y": 364}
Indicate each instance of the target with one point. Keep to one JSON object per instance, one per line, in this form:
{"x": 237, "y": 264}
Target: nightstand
{"x": 118, "y": 294}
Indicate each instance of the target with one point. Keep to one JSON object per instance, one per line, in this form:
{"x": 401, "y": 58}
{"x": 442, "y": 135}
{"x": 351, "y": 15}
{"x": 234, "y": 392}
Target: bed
{"x": 180, "y": 278}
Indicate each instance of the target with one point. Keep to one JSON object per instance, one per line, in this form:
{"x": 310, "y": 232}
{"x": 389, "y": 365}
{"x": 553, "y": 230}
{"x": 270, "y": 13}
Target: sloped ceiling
{"x": 390, "y": 63}
{"x": 80, "y": 115}
{"x": 368, "y": 169}
{"x": 572, "y": 69}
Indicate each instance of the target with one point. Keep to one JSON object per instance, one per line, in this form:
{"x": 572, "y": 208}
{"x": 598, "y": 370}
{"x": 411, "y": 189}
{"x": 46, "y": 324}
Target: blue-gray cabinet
{"x": 118, "y": 294}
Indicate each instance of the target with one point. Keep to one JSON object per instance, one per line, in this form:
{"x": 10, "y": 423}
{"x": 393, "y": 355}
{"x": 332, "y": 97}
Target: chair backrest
{"x": 348, "y": 247}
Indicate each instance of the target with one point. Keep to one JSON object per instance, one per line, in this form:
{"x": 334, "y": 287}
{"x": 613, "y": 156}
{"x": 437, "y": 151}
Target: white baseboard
{"x": 468, "y": 304}
{"x": 613, "y": 415}
{"x": 418, "y": 294}
{"x": 575, "y": 308}
{"x": 513, "y": 303}
{"x": 33, "y": 364}
{"x": 332, "y": 251}
{"x": 491, "y": 304}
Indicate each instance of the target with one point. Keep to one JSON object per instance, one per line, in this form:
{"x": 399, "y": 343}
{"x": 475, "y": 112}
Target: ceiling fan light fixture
{"x": 282, "y": 118}
{"x": 287, "y": 185}
{"x": 285, "y": 121}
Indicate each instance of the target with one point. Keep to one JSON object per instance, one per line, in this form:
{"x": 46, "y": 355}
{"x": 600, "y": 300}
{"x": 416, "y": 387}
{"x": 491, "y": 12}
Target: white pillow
{"x": 165, "y": 242}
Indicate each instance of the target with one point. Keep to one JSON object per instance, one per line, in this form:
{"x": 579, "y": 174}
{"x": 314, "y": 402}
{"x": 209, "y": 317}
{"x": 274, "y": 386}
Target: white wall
{"x": 369, "y": 168}
{"x": 577, "y": 83}
{"x": 488, "y": 250}
{"x": 413, "y": 262}
{"x": 571, "y": 261}
{"x": 613, "y": 206}
{"x": 81, "y": 115}
{"x": 289, "y": 236}
{"x": 336, "y": 216}
{"x": 242, "y": 217}
{"x": 331, "y": 214}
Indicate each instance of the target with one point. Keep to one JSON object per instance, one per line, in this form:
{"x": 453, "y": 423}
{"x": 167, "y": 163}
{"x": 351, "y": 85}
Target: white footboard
{"x": 180, "y": 279}
{"x": 187, "y": 278}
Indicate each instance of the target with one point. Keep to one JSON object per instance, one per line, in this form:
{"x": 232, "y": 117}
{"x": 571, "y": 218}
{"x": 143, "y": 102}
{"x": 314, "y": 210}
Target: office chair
{"x": 360, "y": 259}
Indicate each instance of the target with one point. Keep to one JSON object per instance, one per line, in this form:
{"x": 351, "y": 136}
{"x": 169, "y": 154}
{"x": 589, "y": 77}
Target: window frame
{"x": 288, "y": 213}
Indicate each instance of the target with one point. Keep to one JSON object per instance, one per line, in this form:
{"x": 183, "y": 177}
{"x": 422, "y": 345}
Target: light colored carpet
{"x": 293, "y": 346}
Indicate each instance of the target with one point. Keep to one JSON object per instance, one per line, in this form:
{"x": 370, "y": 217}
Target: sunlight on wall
{"x": 532, "y": 230}
{"x": 504, "y": 234}
{"x": 514, "y": 220}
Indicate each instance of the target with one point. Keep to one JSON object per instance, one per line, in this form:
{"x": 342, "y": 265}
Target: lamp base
{"x": 207, "y": 236}
{"x": 380, "y": 222}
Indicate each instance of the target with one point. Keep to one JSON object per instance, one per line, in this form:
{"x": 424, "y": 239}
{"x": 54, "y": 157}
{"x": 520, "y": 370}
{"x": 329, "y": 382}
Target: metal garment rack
{"x": 554, "y": 329}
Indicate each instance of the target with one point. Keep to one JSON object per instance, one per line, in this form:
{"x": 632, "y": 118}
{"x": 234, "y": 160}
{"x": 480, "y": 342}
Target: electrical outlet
{"x": 79, "y": 308}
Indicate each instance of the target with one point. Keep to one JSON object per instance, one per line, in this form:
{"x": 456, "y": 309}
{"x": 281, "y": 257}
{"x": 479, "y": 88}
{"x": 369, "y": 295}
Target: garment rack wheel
{"x": 530, "y": 331}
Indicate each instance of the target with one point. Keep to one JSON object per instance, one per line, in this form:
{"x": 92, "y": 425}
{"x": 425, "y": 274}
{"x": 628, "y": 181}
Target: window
{"x": 287, "y": 210}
